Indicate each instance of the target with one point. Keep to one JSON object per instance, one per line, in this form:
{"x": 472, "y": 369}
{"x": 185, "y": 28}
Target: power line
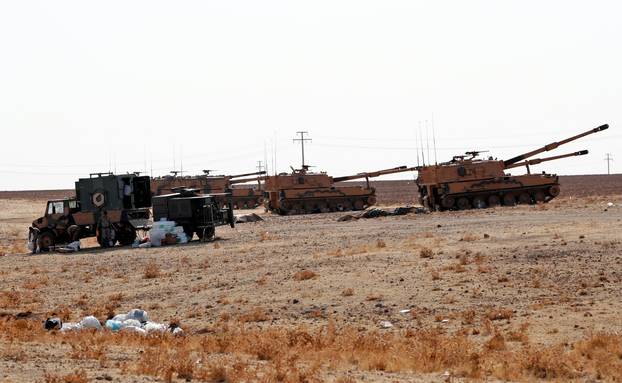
{"x": 302, "y": 141}
{"x": 609, "y": 159}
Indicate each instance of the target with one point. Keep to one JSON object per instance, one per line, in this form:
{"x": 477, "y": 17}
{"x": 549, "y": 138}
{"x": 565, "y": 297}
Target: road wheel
{"x": 371, "y": 200}
{"x": 206, "y": 234}
{"x": 359, "y": 204}
{"x": 494, "y": 200}
{"x": 479, "y": 203}
{"x": 554, "y": 190}
{"x": 539, "y": 196}
{"x": 448, "y": 202}
{"x": 46, "y": 240}
{"x": 509, "y": 199}
{"x": 524, "y": 198}
{"x": 323, "y": 206}
{"x": 346, "y": 205}
{"x": 463, "y": 203}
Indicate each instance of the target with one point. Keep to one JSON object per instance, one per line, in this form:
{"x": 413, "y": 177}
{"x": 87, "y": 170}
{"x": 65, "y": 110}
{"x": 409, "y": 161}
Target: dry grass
{"x": 295, "y": 355}
{"x": 78, "y": 376}
{"x": 499, "y": 314}
{"x": 304, "y": 275}
{"x": 426, "y": 253}
{"x": 257, "y": 314}
{"x": 152, "y": 270}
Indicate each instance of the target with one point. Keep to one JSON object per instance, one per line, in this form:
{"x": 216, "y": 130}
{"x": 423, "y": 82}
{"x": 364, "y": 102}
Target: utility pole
{"x": 259, "y": 166}
{"x": 609, "y": 159}
{"x": 302, "y": 140}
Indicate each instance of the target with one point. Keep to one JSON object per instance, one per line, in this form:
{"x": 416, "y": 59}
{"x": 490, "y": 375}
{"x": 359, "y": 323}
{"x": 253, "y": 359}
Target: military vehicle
{"x": 107, "y": 206}
{"x": 195, "y": 212}
{"x": 469, "y": 182}
{"x": 243, "y": 195}
{"x": 303, "y": 192}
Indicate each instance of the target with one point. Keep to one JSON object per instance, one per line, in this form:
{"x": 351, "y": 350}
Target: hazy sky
{"x": 85, "y": 85}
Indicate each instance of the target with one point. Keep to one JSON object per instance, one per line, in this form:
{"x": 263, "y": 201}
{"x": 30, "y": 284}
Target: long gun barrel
{"x": 552, "y": 146}
{"x": 245, "y": 180}
{"x": 399, "y": 169}
{"x": 248, "y": 174}
{"x": 539, "y": 160}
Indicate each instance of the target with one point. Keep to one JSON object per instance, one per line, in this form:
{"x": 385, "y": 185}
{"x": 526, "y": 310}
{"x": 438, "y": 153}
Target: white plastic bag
{"x": 90, "y": 322}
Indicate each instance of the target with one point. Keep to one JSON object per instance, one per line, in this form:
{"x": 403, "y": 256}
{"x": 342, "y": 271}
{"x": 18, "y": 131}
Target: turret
{"x": 507, "y": 164}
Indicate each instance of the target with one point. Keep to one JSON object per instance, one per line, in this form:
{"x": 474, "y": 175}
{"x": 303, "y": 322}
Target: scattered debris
{"x": 375, "y": 213}
{"x": 405, "y": 311}
{"x": 136, "y": 321}
{"x": 386, "y": 324}
{"x": 248, "y": 218}
{"x": 70, "y": 248}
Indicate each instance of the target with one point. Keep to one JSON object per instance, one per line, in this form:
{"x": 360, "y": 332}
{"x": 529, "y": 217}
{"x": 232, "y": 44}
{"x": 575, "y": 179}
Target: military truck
{"x": 107, "y": 206}
{"x": 195, "y": 212}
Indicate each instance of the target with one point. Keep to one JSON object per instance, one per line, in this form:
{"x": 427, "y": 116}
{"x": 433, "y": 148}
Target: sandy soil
{"x": 553, "y": 270}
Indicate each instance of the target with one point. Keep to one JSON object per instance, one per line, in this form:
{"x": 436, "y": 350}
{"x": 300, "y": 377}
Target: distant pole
{"x": 609, "y": 159}
{"x": 302, "y": 141}
{"x": 259, "y": 166}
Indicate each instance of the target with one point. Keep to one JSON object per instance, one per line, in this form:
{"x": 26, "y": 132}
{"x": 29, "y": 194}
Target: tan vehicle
{"x": 467, "y": 182}
{"x": 246, "y": 193}
{"x": 303, "y": 192}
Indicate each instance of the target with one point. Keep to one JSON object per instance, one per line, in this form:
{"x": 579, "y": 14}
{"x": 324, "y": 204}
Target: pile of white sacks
{"x": 162, "y": 227}
{"x": 136, "y": 321}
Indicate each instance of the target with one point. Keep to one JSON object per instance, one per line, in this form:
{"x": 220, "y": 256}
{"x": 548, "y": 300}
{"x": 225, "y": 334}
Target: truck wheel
{"x": 189, "y": 232}
{"x": 46, "y": 240}
{"x": 206, "y": 234}
{"x": 126, "y": 236}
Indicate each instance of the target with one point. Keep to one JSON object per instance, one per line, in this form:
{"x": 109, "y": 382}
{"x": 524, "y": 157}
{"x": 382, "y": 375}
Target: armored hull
{"x": 467, "y": 182}
{"x": 301, "y": 192}
{"x": 242, "y": 196}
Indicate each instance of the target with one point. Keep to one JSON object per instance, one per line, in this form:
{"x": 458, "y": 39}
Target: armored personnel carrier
{"x": 244, "y": 195}
{"x": 303, "y": 192}
{"x": 468, "y": 182}
{"x": 107, "y": 206}
{"x": 195, "y": 212}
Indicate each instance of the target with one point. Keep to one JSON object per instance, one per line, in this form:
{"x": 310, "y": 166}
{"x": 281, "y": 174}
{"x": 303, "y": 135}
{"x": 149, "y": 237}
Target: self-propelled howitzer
{"x": 469, "y": 182}
{"x": 303, "y": 192}
{"x": 243, "y": 196}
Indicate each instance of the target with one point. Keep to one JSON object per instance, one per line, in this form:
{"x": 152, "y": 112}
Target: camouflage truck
{"x": 107, "y": 206}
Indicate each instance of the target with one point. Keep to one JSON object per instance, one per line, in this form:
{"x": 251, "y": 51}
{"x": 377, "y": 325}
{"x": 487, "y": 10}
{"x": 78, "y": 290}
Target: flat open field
{"x": 523, "y": 293}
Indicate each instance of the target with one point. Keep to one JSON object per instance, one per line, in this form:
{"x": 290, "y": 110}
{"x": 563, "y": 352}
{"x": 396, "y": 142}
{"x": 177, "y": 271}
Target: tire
{"x": 524, "y": 198}
{"x": 479, "y": 203}
{"x": 46, "y": 240}
{"x": 509, "y": 200}
{"x": 494, "y": 200}
{"x": 189, "y": 232}
{"x": 206, "y": 234}
{"x": 448, "y": 202}
{"x": 463, "y": 203}
{"x": 359, "y": 204}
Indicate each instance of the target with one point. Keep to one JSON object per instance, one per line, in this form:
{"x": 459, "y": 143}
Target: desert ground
{"x": 521, "y": 293}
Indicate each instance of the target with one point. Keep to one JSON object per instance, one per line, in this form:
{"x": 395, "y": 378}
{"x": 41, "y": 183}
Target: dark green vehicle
{"x": 197, "y": 213}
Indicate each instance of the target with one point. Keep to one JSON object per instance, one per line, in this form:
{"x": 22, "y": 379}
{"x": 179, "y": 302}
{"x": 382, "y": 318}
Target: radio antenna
{"x": 434, "y": 140}
{"x": 421, "y": 141}
{"x": 417, "y": 144}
